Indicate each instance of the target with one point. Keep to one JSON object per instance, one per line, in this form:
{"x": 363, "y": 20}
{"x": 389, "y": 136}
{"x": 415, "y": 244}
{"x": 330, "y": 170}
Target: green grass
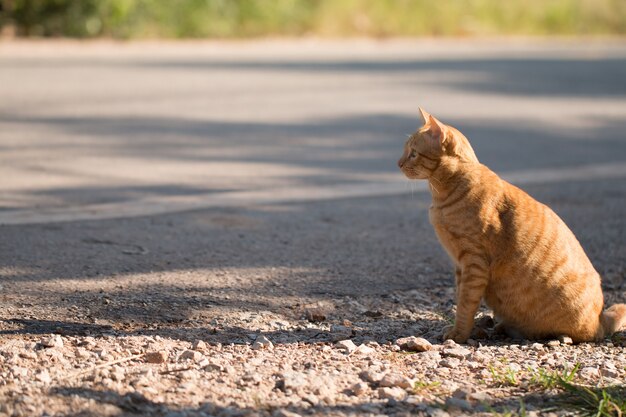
{"x": 600, "y": 402}
{"x": 506, "y": 377}
{"x": 421, "y": 386}
{"x": 585, "y": 401}
{"x": 327, "y": 18}
{"x": 552, "y": 379}
{"x": 540, "y": 378}
{"x": 559, "y": 386}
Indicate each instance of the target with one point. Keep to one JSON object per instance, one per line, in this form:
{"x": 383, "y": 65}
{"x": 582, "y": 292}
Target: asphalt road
{"x": 138, "y": 126}
{"x": 277, "y": 160}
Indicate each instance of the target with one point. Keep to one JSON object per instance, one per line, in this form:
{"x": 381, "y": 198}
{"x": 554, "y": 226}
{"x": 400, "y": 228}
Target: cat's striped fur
{"x": 508, "y": 249}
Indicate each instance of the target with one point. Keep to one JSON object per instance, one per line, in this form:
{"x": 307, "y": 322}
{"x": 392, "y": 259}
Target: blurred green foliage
{"x": 249, "y": 18}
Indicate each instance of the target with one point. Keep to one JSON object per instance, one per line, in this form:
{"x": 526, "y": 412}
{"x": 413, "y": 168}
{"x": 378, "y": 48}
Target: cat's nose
{"x": 401, "y": 162}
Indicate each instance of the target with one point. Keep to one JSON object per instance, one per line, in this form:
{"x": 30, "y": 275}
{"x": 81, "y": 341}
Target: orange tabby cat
{"x": 508, "y": 249}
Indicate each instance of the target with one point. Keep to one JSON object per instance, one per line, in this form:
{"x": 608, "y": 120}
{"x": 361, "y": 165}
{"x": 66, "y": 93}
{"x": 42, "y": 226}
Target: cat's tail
{"x": 613, "y": 319}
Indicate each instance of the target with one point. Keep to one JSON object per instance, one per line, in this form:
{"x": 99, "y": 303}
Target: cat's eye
{"x": 413, "y": 154}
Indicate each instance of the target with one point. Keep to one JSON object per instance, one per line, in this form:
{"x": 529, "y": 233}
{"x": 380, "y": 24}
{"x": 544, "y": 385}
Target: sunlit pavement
{"x": 103, "y": 130}
{"x": 111, "y": 139}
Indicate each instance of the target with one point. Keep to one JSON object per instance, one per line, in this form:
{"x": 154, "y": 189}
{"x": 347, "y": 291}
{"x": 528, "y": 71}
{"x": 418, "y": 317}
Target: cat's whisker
{"x": 436, "y": 179}
{"x": 433, "y": 188}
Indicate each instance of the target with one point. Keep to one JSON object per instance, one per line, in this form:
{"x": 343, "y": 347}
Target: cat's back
{"x": 541, "y": 277}
{"x": 533, "y": 231}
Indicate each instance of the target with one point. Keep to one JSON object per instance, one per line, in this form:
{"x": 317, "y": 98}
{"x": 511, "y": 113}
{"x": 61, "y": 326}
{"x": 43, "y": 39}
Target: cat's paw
{"x": 500, "y": 329}
{"x": 455, "y": 334}
{"x": 503, "y": 329}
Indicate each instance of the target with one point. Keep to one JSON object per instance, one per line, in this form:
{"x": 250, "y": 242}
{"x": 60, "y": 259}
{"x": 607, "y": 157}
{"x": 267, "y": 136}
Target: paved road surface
{"x": 99, "y": 131}
{"x": 106, "y": 147}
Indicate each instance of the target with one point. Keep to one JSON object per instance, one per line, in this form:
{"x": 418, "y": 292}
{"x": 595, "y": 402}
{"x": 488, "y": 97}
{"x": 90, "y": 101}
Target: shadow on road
{"x": 523, "y": 76}
{"x": 225, "y": 156}
{"x": 374, "y": 262}
{"x": 514, "y": 76}
{"x": 197, "y": 267}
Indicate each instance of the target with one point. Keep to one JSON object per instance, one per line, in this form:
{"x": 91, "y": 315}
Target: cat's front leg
{"x": 471, "y": 285}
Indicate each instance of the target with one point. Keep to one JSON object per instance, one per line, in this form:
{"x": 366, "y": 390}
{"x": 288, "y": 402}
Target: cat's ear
{"x": 425, "y": 116}
{"x": 436, "y": 129}
{"x": 435, "y": 132}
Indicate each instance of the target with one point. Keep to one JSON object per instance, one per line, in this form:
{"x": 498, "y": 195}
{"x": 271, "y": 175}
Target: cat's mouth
{"x": 411, "y": 174}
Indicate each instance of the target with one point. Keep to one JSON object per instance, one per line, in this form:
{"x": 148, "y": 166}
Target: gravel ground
{"x": 296, "y": 309}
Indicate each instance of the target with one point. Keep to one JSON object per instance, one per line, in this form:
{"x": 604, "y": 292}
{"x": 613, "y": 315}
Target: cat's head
{"x": 429, "y": 145}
